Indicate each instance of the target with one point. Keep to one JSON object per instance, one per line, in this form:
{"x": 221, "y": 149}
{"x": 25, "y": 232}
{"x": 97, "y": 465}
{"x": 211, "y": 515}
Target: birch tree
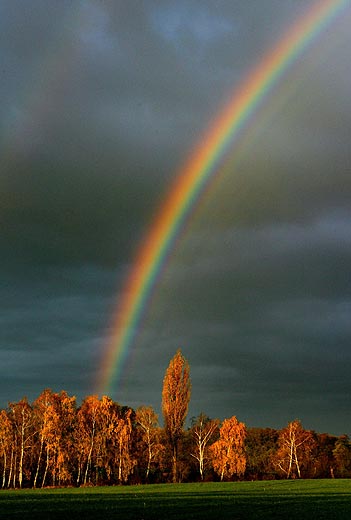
{"x": 108, "y": 421}
{"x": 123, "y": 454}
{"x": 87, "y": 421}
{"x": 203, "y": 431}
{"x": 228, "y": 455}
{"x": 65, "y": 407}
{"x": 21, "y": 415}
{"x": 41, "y": 414}
{"x": 295, "y": 444}
{"x": 6, "y": 437}
{"x": 147, "y": 420}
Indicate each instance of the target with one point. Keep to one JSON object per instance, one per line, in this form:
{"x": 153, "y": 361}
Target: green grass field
{"x": 310, "y": 499}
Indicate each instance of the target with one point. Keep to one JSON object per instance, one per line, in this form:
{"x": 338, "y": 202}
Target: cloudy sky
{"x": 101, "y": 103}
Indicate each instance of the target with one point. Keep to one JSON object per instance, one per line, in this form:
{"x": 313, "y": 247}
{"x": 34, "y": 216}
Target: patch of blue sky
{"x": 94, "y": 31}
{"x": 178, "y": 20}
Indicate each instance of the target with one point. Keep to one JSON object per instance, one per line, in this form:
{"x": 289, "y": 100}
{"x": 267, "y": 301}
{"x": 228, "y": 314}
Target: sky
{"x": 101, "y": 103}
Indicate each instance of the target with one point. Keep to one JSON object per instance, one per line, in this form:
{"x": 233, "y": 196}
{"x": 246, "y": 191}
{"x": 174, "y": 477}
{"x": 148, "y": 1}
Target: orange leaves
{"x": 176, "y": 395}
{"x": 103, "y": 439}
{"x": 175, "y": 401}
{"x": 295, "y": 446}
{"x": 228, "y": 456}
{"x": 53, "y": 415}
{"x": 147, "y": 420}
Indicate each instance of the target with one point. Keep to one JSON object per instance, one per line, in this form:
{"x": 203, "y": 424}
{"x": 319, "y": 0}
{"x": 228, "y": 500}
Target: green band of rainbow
{"x": 195, "y": 176}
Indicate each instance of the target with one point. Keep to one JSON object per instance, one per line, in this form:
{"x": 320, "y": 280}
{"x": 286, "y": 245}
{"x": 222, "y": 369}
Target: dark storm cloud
{"x": 263, "y": 315}
{"x": 100, "y": 104}
{"x": 52, "y": 325}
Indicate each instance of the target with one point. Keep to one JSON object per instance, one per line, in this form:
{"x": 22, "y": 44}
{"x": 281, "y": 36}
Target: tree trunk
{"x": 4, "y": 472}
{"x": 46, "y": 467}
{"x": 201, "y": 462}
{"x": 10, "y": 470}
{"x": 297, "y": 462}
{"x": 290, "y": 459}
{"x": 14, "y": 470}
{"x": 20, "y": 465}
{"x": 174, "y": 463}
{"x": 38, "y": 463}
{"x": 90, "y": 454}
{"x": 120, "y": 461}
{"x": 149, "y": 455}
{"x": 79, "y": 470}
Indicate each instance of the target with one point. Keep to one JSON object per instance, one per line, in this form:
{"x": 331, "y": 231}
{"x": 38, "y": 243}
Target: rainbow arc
{"x": 194, "y": 177}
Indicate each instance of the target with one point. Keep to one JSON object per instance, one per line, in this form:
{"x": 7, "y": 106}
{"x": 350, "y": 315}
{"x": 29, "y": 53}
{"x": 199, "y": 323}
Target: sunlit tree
{"x": 87, "y": 424}
{"x": 228, "y": 455}
{"x": 295, "y": 447}
{"x": 203, "y": 431}
{"x": 22, "y": 419}
{"x": 147, "y": 420}
{"x": 6, "y": 448}
{"x": 122, "y": 441}
{"x": 175, "y": 401}
{"x": 46, "y": 422}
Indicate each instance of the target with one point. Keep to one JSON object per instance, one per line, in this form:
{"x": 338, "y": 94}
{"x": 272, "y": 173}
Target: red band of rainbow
{"x": 195, "y": 176}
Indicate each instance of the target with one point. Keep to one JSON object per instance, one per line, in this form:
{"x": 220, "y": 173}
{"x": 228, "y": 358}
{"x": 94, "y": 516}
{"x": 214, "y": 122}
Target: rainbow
{"x": 194, "y": 177}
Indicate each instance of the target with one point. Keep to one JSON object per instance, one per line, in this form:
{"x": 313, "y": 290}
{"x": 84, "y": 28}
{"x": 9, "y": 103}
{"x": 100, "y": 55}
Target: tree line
{"x": 54, "y": 442}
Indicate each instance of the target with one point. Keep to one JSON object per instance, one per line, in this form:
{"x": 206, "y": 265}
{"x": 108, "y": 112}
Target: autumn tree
{"x": 124, "y": 459}
{"x": 6, "y": 447}
{"x": 342, "y": 456}
{"x": 324, "y": 461}
{"x": 47, "y": 427}
{"x": 108, "y": 419}
{"x": 65, "y": 406}
{"x": 295, "y": 447}
{"x": 22, "y": 417}
{"x": 147, "y": 420}
{"x": 261, "y": 445}
{"x": 87, "y": 423}
{"x": 228, "y": 455}
{"x": 175, "y": 401}
{"x": 203, "y": 431}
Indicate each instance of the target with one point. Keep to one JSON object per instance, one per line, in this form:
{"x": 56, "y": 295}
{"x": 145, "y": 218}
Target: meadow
{"x": 320, "y": 499}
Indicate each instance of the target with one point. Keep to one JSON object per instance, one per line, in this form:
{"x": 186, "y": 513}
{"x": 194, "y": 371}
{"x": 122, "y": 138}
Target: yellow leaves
{"x": 146, "y": 417}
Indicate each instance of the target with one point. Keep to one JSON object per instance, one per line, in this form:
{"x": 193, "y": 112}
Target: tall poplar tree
{"x": 175, "y": 401}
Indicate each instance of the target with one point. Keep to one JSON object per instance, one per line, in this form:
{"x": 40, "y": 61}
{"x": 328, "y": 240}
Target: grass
{"x": 302, "y": 499}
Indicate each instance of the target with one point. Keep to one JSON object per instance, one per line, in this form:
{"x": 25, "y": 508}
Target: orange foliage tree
{"x": 122, "y": 439}
{"x": 22, "y": 420}
{"x": 53, "y": 416}
{"x": 51, "y": 442}
{"x": 228, "y": 455}
{"x": 108, "y": 419}
{"x": 175, "y": 401}
{"x": 87, "y": 422}
{"x": 147, "y": 420}
{"x": 6, "y": 447}
{"x": 295, "y": 447}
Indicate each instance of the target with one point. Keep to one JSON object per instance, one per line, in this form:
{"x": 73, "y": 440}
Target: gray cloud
{"x": 101, "y": 103}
